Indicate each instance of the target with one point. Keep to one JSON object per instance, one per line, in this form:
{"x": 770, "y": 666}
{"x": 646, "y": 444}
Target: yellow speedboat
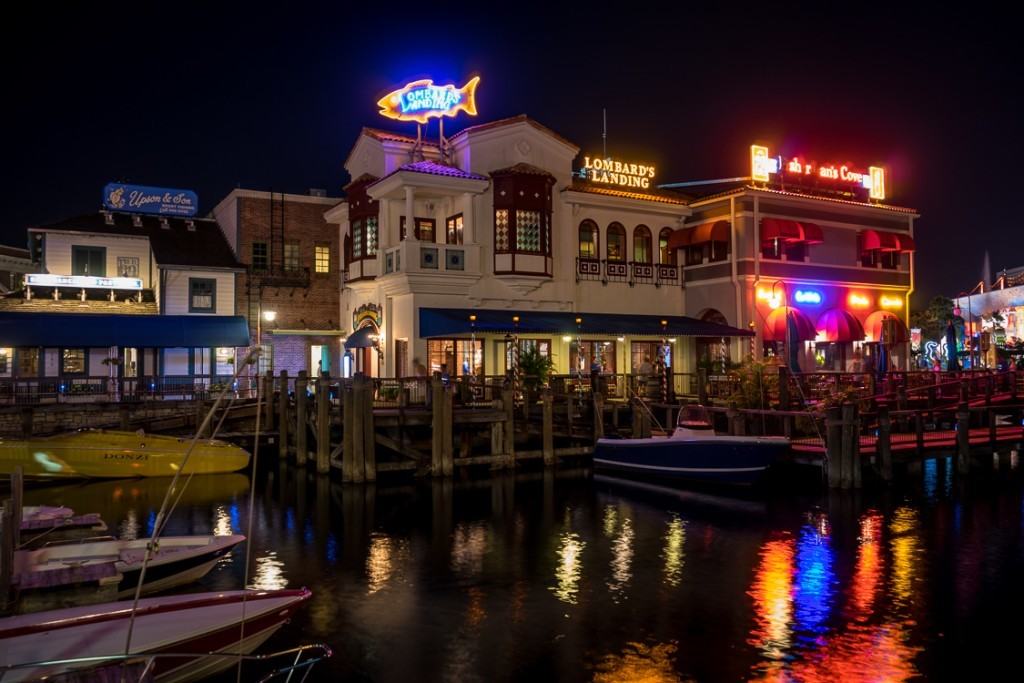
{"x": 98, "y": 453}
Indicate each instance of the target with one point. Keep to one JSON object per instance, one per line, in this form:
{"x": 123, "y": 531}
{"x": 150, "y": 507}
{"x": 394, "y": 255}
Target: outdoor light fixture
{"x": 621, "y": 339}
{"x": 515, "y": 318}
{"x": 472, "y": 318}
{"x": 566, "y": 338}
{"x": 270, "y": 316}
{"x": 672, "y": 340}
{"x": 579, "y": 320}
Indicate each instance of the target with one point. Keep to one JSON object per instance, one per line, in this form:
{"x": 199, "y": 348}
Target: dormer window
{"x": 522, "y": 220}
{"x": 363, "y": 221}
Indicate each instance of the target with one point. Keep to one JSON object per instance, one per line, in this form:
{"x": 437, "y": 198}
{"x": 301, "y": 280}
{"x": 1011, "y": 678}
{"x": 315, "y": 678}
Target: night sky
{"x": 212, "y": 96}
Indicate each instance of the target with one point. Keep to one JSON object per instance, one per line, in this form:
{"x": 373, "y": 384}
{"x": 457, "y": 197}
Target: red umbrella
{"x": 873, "y": 328}
{"x": 837, "y": 325}
{"x": 775, "y": 325}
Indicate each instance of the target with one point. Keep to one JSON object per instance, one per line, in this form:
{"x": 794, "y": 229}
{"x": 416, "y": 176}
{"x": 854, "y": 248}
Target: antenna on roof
{"x": 604, "y": 133}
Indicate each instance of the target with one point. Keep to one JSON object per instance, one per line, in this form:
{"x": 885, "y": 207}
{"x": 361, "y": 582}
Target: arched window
{"x": 667, "y": 256}
{"x": 588, "y": 239}
{"x": 642, "y": 252}
{"x": 616, "y": 242}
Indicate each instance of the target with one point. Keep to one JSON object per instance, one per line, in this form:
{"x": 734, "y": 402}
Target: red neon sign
{"x": 873, "y": 180}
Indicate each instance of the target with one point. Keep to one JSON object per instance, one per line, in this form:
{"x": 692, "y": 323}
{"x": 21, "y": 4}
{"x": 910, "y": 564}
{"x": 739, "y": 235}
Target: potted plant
{"x": 535, "y": 369}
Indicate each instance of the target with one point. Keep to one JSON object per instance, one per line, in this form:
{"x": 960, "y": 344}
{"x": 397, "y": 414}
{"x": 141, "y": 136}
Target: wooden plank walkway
{"x": 940, "y": 440}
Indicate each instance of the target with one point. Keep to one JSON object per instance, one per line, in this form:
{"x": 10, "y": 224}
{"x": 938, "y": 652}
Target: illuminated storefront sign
{"x": 156, "y": 200}
{"x": 422, "y": 100}
{"x": 807, "y": 296}
{"x": 773, "y": 299}
{"x": 82, "y": 281}
{"x": 612, "y": 172}
{"x": 858, "y": 301}
{"x": 763, "y": 167}
{"x": 890, "y": 302}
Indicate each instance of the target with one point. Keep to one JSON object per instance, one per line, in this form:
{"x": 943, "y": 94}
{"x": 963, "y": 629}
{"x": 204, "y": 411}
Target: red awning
{"x": 780, "y": 229}
{"x": 812, "y": 233}
{"x": 873, "y": 328}
{"x": 715, "y": 231}
{"x": 837, "y": 325}
{"x": 680, "y": 238}
{"x": 905, "y": 242}
{"x": 775, "y": 325}
{"x": 879, "y": 240}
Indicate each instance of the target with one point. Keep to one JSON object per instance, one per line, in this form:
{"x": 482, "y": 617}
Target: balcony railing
{"x": 34, "y": 391}
{"x": 632, "y": 272}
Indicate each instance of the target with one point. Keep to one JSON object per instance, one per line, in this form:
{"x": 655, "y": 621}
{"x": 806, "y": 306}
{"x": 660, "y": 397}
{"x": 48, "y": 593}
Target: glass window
{"x": 588, "y": 239}
{"x": 323, "y": 258}
{"x": 642, "y": 244}
{"x": 259, "y": 256}
{"x": 371, "y": 236}
{"x": 528, "y": 231}
{"x": 890, "y": 259}
{"x": 458, "y": 356}
{"x": 73, "y": 362}
{"x": 771, "y": 249}
{"x": 202, "y": 295}
{"x": 453, "y": 234}
{"x": 425, "y": 229}
{"x": 225, "y": 361}
{"x": 501, "y": 230}
{"x": 719, "y": 251}
{"x": 695, "y": 255}
{"x": 291, "y": 255}
{"x": 89, "y": 261}
{"x": 594, "y": 355}
{"x": 128, "y": 266}
{"x": 616, "y": 242}
{"x": 796, "y": 251}
{"x": 642, "y": 352}
{"x": 28, "y": 362}
{"x": 357, "y": 239}
{"x": 5, "y": 361}
{"x": 665, "y": 255}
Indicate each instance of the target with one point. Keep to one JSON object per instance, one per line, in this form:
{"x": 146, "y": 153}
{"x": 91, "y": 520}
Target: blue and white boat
{"x": 694, "y": 451}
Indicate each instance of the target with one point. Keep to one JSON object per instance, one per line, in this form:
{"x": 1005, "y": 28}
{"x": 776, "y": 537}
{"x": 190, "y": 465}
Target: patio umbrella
{"x": 952, "y": 362}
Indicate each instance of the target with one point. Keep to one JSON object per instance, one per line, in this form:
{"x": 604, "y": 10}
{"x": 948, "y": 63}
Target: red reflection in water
{"x": 772, "y": 592}
{"x": 868, "y": 572}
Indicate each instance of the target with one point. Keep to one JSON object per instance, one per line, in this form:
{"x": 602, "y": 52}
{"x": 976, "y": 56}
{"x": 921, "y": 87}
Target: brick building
{"x": 290, "y": 291}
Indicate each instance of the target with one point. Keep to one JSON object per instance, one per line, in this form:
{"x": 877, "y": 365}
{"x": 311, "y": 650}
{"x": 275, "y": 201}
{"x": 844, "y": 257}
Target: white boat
{"x": 176, "y": 561}
{"x": 199, "y": 624}
{"x": 694, "y": 451}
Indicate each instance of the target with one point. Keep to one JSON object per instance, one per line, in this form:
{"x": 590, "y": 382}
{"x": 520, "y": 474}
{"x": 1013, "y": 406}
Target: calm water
{"x": 573, "y": 577}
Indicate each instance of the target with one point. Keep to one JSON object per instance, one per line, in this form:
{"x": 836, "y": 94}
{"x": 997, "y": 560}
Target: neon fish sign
{"x": 422, "y": 100}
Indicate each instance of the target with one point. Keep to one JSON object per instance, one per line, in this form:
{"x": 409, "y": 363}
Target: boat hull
{"x": 113, "y": 454}
{"x": 199, "y": 623}
{"x": 717, "y": 460}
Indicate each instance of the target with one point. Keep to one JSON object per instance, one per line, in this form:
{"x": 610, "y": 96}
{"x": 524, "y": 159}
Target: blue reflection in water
{"x": 332, "y": 548}
{"x": 947, "y": 481}
{"x": 289, "y": 520}
{"x": 931, "y": 478}
{"x": 151, "y": 522}
{"x": 815, "y": 579}
{"x": 307, "y": 533}
{"x": 236, "y": 521}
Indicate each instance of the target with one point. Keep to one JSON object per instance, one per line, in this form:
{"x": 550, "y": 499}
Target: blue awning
{"x": 449, "y": 322}
{"x": 99, "y": 330}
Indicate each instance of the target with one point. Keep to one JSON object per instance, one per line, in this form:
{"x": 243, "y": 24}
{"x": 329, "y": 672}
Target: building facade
{"x": 96, "y": 276}
{"x": 290, "y": 289}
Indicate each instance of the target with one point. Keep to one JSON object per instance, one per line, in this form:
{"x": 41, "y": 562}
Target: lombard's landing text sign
{"x": 156, "y": 200}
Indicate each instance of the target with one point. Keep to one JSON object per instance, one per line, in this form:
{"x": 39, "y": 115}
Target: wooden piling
{"x": 437, "y": 426}
{"x": 702, "y": 386}
{"x": 124, "y": 422}
{"x": 848, "y": 437}
{"x": 963, "y": 439}
{"x": 268, "y": 401}
{"x": 855, "y": 462}
{"x": 323, "y": 424}
{"x": 301, "y": 421}
{"x": 783, "y": 387}
{"x": 834, "y": 444}
{"x": 570, "y": 414}
{"x": 599, "y": 416}
{"x": 447, "y": 441}
{"x": 547, "y": 427}
{"x": 884, "y": 449}
{"x": 17, "y": 502}
{"x": 6, "y": 554}
{"x": 347, "y": 431}
{"x": 508, "y": 399}
{"x": 27, "y": 420}
{"x": 282, "y": 417}
{"x": 358, "y": 429}
{"x": 369, "y": 431}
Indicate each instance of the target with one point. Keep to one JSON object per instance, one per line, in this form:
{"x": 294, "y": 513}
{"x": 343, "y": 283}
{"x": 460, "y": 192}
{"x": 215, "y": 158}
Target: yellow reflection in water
{"x": 622, "y": 559}
{"x": 129, "y": 526}
{"x": 611, "y": 517}
{"x": 269, "y": 574}
{"x": 221, "y": 522}
{"x": 905, "y": 549}
{"x": 469, "y": 545}
{"x": 675, "y": 536}
{"x": 772, "y": 593}
{"x": 383, "y": 561}
{"x": 638, "y": 662}
{"x": 568, "y": 571}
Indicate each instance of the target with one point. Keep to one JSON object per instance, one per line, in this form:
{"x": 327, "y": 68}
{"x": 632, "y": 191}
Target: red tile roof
{"x": 388, "y": 136}
{"x": 522, "y": 168}
{"x": 745, "y": 187}
{"x": 437, "y": 168}
{"x": 662, "y": 196}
